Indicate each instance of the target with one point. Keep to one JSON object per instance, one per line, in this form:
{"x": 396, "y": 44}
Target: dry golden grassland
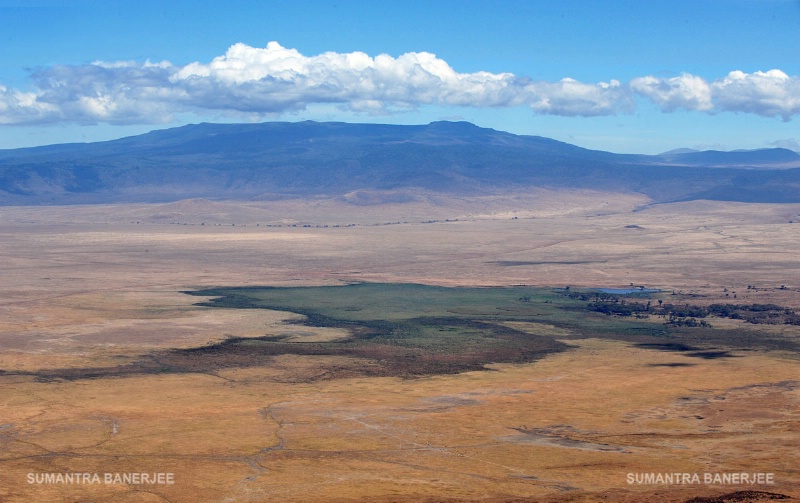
{"x": 89, "y": 287}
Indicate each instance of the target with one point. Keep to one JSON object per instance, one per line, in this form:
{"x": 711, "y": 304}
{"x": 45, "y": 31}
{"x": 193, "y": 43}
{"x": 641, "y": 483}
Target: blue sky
{"x": 625, "y": 76}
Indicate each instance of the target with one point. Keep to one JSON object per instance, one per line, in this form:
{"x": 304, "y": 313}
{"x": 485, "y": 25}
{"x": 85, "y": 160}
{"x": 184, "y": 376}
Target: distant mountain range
{"x": 281, "y": 159}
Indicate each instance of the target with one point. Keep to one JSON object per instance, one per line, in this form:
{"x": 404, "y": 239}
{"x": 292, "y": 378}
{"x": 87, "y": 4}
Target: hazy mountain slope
{"x": 268, "y": 160}
{"x": 766, "y": 157}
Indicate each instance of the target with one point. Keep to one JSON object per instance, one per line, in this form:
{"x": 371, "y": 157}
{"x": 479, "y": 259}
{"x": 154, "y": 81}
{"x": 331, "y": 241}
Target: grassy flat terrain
{"x": 395, "y": 362}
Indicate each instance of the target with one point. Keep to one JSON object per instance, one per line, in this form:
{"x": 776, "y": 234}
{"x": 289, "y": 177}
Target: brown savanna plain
{"x": 100, "y": 286}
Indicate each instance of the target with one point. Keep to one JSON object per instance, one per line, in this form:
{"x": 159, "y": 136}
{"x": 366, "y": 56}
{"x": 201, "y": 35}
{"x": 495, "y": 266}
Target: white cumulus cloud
{"x": 271, "y": 80}
{"x": 771, "y": 93}
{"x": 570, "y": 97}
{"x": 684, "y": 92}
{"x": 275, "y": 79}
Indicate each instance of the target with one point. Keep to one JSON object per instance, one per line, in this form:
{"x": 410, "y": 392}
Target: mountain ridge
{"x": 300, "y": 159}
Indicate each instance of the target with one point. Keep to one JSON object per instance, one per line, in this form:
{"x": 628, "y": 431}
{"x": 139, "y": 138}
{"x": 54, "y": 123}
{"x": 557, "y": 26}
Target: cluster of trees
{"x": 687, "y": 322}
{"x": 687, "y": 314}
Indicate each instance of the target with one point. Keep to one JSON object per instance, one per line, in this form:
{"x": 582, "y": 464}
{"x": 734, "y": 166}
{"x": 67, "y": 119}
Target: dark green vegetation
{"x": 392, "y": 311}
{"x": 687, "y": 314}
{"x": 412, "y": 330}
{"x": 271, "y": 160}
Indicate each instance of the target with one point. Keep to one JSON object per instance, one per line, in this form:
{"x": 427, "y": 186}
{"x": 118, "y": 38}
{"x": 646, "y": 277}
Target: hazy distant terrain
{"x": 277, "y": 160}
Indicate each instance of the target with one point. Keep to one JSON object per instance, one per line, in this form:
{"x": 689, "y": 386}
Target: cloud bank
{"x": 273, "y": 80}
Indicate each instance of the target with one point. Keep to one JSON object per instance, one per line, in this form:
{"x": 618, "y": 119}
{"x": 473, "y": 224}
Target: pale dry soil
{"x": 88, "y": 286}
